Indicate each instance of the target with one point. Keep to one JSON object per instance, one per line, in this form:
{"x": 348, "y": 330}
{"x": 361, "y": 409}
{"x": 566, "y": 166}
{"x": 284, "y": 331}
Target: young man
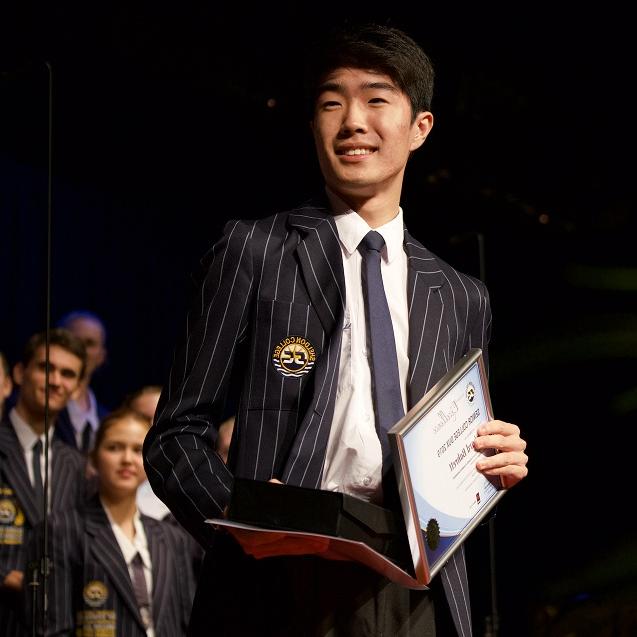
{"x": 78, "y": 421}
{"x": 22, "y": 460}
{"x": 286, "y": 303}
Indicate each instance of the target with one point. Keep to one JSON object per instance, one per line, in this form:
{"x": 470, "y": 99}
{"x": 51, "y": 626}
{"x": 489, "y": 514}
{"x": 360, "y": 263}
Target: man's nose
{"x": 54, "y": 377}
{"x": 354, "y": 120}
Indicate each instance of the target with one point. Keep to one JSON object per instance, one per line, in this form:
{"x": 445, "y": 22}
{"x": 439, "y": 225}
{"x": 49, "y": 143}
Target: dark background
{"x": 170, "y": 119}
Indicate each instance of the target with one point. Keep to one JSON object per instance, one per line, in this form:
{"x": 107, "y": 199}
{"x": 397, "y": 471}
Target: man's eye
{"x": 330, "y": 104}
{"x": 378, "y": 100}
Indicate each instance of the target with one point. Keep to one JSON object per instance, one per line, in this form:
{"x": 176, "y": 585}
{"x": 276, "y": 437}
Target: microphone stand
{"x": 40, "y": 570}
{"x": 493, "y": 620}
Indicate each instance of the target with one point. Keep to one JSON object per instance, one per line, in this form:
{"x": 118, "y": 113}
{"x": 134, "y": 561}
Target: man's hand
{"x": 510, "y": 461}
{"x": 13, "y": 581}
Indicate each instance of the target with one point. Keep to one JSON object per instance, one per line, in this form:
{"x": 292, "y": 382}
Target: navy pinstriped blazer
{"x": 20, "y": 513}
{"x": 90, "y": 586}
{"x": 267, "y": 280}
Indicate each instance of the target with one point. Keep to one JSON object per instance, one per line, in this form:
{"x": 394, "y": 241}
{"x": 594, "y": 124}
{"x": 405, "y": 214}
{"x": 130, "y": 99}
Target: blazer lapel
{"x": 16, "y": 469}
{"x": 427, "y": 364}
{"x": 426, "y": 319}
{"x": 106, "y": 551}
{"x": 161, "y": 576}
{"x": 321, "y": 263}
{"x": 62, "y": 475}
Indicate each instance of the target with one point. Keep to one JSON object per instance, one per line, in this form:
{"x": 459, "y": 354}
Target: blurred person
{"x": 144, "y": 401}
{"x": 22, "y": 435}
{"x": 116, "y": 571}
{"x": 6, "y": 386}
{"x": 77, "y": 424}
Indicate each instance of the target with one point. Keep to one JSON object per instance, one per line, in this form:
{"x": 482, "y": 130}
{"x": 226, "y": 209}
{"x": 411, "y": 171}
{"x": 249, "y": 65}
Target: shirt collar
{"x": 26, "y": 436}
{"x": 79, "y": 416}
{"x": 352, "y": 228}
{"x": 129, "y": 548}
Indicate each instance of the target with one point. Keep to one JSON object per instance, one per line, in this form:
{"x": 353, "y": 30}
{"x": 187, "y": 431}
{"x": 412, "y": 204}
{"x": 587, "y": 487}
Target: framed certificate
{"x": 443, "y": 496}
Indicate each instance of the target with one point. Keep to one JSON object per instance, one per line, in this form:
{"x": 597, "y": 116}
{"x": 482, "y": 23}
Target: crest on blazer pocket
{"x": 95, "y": 594}
{"x": 11, "y": 520}
{"x": 294, "y": 356}
{"x": 7, "y": 512}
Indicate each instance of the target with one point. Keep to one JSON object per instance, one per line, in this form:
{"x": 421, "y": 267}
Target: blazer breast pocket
{"x": 288, "y": 343}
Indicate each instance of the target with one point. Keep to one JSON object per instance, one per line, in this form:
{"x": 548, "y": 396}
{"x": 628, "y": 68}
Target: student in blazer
{"x": 21, "y": 503}
{"x": 276, "y": 316}
{"x": 93, "y": 549}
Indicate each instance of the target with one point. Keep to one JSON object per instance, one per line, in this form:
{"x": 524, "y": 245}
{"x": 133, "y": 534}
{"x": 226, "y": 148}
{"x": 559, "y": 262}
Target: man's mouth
{"x": 351, "y": 152}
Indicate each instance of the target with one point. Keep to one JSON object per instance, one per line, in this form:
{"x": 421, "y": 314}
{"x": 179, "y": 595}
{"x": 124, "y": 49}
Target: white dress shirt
{"x": 27, "y": 438}
{"x": 149, "y": 504}
{"x": 353, "y": 461}
{"x": 80, "y": 416}
{"x": 130, "y": 548}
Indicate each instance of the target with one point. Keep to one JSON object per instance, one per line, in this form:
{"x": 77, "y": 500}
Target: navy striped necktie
{"x": 388, "y": 402}
{"x": 141, "y": 590}
{"x": 86, "y": 438}
{"x": 38, "y": 485}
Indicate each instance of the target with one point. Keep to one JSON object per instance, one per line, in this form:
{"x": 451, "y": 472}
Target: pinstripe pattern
{"x": 267, "y": 280}
{"x": 67, "y": 491}
{"x": 84, "y": 549}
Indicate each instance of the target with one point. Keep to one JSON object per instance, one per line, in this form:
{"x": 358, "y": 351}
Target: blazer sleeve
{"x": 181, "y": 464}
{"x": 480, "y": 326}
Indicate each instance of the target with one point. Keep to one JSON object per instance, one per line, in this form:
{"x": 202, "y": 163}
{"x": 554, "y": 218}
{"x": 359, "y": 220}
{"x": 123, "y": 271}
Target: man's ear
{"x": 421, "y": 127}
{"x": 18, "y": 373}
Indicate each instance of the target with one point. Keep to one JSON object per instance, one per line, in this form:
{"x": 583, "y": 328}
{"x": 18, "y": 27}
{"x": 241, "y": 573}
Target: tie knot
{"x": 37, "y": 447}
{"x": 372, "y": 241}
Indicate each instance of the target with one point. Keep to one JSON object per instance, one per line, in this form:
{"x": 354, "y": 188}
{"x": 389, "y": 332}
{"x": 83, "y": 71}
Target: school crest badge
{"x": 95, "y": 594}
{"x": 294, "y": 356}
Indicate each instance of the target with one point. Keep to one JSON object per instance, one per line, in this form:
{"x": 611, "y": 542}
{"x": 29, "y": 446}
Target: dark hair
{"x": 113, "y": 418}
{"x": 374, "y": 48}
{"x": 133, "y": 396}
{"x": 57, "y": 336}
{"x": 4, "y": 363}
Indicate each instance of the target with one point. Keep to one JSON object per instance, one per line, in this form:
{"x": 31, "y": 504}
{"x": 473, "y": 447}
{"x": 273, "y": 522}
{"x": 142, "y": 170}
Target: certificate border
{"x": 423, "y": 570}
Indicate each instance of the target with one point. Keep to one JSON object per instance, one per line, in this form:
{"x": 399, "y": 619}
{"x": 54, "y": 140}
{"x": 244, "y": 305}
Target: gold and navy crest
{"x": 7, "y": 511}
{"x": 11, "y": 519}
{"x": 294, "y": 356}
{"x": 95, "y": 594}
{"x": 470, "y": 392}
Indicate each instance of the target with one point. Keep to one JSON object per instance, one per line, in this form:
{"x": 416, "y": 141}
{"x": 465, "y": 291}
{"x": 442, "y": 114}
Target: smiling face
{"x": 364, "y": 131}
{"x": 118, "y": 457}
{"x": 64, "y": 375}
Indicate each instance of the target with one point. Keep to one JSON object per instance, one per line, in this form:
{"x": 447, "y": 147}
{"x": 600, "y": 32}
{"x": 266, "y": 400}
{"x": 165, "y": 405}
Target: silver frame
{"x": 423, "y": 570}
